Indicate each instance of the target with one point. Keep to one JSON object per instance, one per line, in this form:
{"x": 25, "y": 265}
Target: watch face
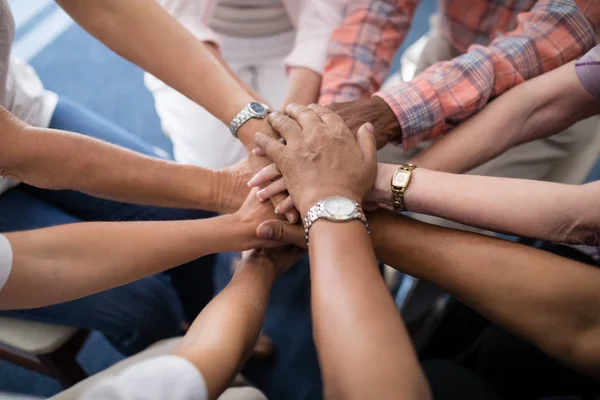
{"x": 258, "y": 108}
{"x": 401, "y": 178}
{"x": 338, "y": 208}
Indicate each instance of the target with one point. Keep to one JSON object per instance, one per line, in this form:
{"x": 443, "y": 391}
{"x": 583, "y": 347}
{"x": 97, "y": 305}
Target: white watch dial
{"x": 339, "y": 207}
{"x": 400, "y": 178}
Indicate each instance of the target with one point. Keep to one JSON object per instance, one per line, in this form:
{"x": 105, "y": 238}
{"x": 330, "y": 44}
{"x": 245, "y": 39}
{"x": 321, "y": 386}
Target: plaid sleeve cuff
{"x": 418, "y": 109}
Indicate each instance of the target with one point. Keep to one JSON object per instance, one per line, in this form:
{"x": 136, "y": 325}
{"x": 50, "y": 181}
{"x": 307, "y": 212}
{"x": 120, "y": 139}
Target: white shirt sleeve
{"x": 159, "y": 378}
{"x": 6, "y": 260}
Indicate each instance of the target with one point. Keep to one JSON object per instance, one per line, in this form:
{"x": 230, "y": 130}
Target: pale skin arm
{"x": 237, "y": 314}
{"x": 62, "y": 263}
{"x": 536, "y": 109}
{"x": 304, "y": 86}
{"x": 543, "y": 210}
{"x": 147, "y": 35}
{"x": 53, "y": 159}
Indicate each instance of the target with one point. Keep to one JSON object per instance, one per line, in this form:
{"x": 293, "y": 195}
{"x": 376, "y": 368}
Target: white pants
{"x": 198, "y": 137}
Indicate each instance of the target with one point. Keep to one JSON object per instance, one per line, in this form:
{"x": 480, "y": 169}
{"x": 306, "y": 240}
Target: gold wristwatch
{"x": 400, "y": 182}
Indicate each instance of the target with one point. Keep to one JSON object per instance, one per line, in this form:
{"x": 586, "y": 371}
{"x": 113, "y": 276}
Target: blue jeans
{"x": 132, "y": 316}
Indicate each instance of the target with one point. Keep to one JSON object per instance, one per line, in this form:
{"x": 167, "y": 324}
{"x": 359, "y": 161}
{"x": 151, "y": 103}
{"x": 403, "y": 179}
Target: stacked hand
{"x": 321, "y": 157}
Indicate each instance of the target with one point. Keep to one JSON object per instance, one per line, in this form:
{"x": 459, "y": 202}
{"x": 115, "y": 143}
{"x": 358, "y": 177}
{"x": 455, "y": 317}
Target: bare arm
{"x": 535, "y": 109}
{"x": 236, "y": 314}
{"x": 304, "y": 86}
{"x": 375, "y": 351}
{"x": 66, "y": 262}
{"x": 144, "y": 33}
{"x": 542, "y": 210}
{"x": 53, "y": 159}
{"x": 548, "y": 300}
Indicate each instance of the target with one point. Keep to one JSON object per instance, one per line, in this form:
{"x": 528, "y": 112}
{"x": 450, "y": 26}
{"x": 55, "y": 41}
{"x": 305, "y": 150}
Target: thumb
{"x": 366, "y": 140}
{"x": 282, "y": 231}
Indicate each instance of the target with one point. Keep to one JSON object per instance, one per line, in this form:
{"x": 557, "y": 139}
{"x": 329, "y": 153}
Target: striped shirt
{"x": 505, "y": 42}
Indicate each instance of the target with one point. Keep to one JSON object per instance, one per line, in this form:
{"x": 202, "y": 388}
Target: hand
{"x": 281, "y": 258}
{"x": 257, "y": 162}
{"x": 373, "y": 110}
{"x": 322, "y": 156}
{"x": 232, "y": 190}
{"x": 247, "y": 219}
{"x": 282, "y": 232}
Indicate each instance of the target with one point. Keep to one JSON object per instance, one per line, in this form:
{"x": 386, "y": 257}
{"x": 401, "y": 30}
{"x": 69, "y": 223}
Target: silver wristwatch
{"x": 252, "y": 110}
{"x": 337, "y": 209}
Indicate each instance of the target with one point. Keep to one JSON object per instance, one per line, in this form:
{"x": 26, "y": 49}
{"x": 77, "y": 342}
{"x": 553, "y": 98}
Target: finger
{"x": 291, "y": 216}
{"x": 284, "y": 125}
{"x": 285, "y": 206}
{"x": 305, "y": 116}
{"x": 326, "y": 115}
{"x": 283, "y": 232}
{"x": 258, "y": 151}
{"x": 265, "y": 175}
{"x": 366, "y": 140}
{"x": 271, "y": 190}
{"x": 272, "y": 147}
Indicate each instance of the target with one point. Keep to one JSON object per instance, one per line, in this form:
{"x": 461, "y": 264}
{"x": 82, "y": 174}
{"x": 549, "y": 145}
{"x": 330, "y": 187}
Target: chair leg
{"x": 62, "y": 363}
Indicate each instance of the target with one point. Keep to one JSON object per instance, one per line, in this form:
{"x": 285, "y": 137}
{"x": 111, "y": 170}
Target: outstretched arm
{"x": 66, "y": 262}
{"x": 542, "y": 210}
{"x": 533, "y": 110}
{"x": 53, "y": 159}
{"x": 548, "y": 300}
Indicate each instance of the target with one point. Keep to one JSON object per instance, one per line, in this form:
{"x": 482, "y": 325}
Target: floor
{"x": 75, "y": 65}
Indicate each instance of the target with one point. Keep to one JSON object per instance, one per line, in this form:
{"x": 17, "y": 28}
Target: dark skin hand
{"x": 373, "y": 110}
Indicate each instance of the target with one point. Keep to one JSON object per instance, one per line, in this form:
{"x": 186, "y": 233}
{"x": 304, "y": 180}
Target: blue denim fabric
{"x": 132, "y": 316}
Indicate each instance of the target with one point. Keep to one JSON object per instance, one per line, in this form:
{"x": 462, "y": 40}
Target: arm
{"x": 363, "y": 46}
{"x": 550, "y": 34}
{"x": 533, "y": 110}
{"x": 543, "y": 210}
{"x": 30, "y": 154}
{"x": 343, "y": 267}
{"x": 237, "y": 313}
{"x": 342, "y": 277}
{"x": 306, "y": 62}
{"x": 144, "y": 33}
{"x": 62, "y": 263}
{"x": 548, "y": 300}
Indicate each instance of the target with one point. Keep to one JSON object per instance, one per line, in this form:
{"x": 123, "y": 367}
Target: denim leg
{"x": 192, "y": 281}
{"x": 131, "y": 317}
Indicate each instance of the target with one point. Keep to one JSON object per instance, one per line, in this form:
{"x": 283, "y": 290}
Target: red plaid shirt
{"x": 505, "y": 42}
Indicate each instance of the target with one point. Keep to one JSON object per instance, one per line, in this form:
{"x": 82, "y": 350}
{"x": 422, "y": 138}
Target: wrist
{"x": 382, "y": 190}
{"x": 312, "y": 197}
{"x": 248, "y": 130}
{"x": 258, "y": 264}
{"x": 386, "y": 124}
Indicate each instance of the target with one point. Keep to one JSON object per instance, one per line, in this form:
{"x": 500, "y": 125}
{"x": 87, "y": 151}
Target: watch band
{"x": 245, "y": 115}
{"x": 317, "y": 212}
{"x": 398, "y": 191}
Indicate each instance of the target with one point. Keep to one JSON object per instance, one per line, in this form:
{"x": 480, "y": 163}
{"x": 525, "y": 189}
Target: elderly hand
{"x": 322, "y": 156}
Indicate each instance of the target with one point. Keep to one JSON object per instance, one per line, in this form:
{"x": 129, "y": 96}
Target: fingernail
{"x": 265, "y": 232}
{"x": 251, "y": 181}
{"x": 255, "y": 150}
{"x": 290, "y": 217}
{"x": 261, "y": 194}
{"x": 369, "y": 127}
{"x": 276, "y": 211}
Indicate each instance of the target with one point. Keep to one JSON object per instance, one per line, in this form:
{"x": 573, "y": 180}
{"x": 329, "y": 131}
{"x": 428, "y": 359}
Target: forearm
{"x": 101, "y": 169}
{"x": 538, "y": 108}
{"x": 223, "y": 335}
{"x": 536, "y": 209}
{"x": 66, "y": 262}
{"x": 303, "y": 87}
{"x": 548, "y": 300}
{"x": 342, "y": 277}
{"x": 144, "y": 33}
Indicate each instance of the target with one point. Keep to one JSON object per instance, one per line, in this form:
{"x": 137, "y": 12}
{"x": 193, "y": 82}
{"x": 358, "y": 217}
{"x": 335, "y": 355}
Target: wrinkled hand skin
{"x": 373, "y": 110}
{"x": 233, "y": 189}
